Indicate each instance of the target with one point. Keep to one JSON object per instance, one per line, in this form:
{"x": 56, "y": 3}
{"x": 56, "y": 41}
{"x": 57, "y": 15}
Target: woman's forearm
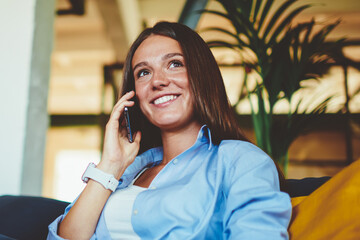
{"x": 82, "y": 219}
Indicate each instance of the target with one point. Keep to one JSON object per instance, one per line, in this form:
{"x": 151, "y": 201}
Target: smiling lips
{"x": 165, "y": 99}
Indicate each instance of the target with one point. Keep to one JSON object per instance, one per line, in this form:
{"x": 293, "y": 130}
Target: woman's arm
{"x": 255, "y": 207}
{"x": 118, "y": 154}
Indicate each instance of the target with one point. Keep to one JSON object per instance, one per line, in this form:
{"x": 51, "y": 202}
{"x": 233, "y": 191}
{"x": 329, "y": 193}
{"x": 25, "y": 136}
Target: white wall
{"x": 24, "y": 73}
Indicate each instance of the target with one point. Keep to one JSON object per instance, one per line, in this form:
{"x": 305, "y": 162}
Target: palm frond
{"x": 256, "y": 10}
{"x": 227, "y": 33}
{"x": 264, "y": 13}
{"x": 285, "y": 23}
{"x": 277, "y": 16}
{"x": 220, "y": 43}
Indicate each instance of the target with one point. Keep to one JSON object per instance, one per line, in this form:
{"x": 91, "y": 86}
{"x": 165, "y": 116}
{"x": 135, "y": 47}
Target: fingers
{"x": 125, "y": 98}
{"x": 124, "y": 101}
{"x": 117, "y": 148}
{"x": 135, "y": 146}
{"x": 118, "y": 109}
{"x": 137, "y": 137}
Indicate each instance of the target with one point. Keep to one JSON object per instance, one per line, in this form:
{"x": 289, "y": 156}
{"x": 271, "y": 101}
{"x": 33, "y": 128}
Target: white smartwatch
{"x": 105, "y": 179}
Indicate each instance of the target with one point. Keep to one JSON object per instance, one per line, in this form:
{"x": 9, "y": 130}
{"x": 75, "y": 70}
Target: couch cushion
{"x": 330, "y": 212}
{"x": 23, "y": 217}
{"x": 3, "y": 237}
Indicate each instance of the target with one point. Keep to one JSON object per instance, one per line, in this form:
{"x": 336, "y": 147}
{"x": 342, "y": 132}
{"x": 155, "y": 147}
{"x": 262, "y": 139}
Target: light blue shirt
{"x": 225, "y": 191}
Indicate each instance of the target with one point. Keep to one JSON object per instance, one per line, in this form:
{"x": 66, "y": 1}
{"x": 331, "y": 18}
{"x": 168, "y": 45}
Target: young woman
{"x": 190, "y": 173}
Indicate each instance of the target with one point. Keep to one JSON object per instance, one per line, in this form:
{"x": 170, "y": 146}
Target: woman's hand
{"x": 118, "y": 152}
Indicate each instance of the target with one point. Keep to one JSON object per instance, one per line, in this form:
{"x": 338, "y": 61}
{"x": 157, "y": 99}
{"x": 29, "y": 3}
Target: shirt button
{"x": 175, "y": 161}
{"x": 153, "y": 187}
{"x": 136, "y": 212}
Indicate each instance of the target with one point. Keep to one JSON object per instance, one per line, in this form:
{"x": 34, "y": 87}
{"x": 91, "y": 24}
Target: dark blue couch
{"x": 23, "y": 217}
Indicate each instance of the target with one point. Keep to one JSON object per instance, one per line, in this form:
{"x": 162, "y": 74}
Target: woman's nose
{"x": 160, "y": 80}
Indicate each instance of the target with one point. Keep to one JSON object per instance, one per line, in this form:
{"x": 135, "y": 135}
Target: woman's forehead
{"x": 156, "y": 45}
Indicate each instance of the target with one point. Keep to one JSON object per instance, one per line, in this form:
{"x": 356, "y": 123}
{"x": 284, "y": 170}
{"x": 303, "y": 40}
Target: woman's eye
{"x": 176, "y": 64}
{"x": 142, "y": 73}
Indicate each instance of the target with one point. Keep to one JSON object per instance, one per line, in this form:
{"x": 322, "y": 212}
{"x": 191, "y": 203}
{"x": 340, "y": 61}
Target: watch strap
{"x": 105, "y": 179}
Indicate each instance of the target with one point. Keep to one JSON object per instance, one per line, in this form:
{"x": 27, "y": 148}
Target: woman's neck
{"x": 176, "y": 142}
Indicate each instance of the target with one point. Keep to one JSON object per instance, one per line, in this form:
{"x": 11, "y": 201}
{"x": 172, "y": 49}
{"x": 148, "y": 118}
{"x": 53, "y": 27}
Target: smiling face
{"x": 161, "y": 83}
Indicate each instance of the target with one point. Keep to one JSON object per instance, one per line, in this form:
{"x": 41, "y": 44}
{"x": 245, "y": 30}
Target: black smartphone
{"x": 128, "y": 125}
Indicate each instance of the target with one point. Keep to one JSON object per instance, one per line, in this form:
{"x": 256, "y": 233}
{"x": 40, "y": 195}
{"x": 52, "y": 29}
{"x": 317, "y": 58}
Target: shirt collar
{"x": 154, "y": 156}
{"x": 204, "y": 135}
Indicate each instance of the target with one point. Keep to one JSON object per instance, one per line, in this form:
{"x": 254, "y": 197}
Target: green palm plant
{"x": 286, "y": 55}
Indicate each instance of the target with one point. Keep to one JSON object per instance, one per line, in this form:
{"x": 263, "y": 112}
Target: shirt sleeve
{"x": 53, "y": 227}
{"x": 255, "y": 207}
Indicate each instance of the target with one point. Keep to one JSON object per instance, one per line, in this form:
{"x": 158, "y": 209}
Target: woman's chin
{"x": 166, "y": 125}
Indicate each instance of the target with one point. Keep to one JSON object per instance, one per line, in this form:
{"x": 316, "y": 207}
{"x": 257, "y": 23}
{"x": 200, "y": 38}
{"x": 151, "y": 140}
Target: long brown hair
{"x": 212, "y": 106}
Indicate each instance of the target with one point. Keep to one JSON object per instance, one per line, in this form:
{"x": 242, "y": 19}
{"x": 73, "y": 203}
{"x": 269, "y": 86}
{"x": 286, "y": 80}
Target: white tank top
{"x": 118, "y": 211}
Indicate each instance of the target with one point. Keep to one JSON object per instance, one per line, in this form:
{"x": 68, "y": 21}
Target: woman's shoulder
{"x": 239, "y": 147}
{"x": 238, "y": 152}
{"x": 244, "y": 160}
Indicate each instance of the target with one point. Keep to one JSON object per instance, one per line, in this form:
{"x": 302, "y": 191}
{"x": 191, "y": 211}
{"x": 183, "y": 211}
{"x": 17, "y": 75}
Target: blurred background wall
{"x": 25, "y": 47}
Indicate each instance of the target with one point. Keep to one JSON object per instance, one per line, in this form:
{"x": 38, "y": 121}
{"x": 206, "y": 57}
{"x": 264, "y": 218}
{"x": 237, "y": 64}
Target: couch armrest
{"x": 303, "y": 187}
{"x": 24, "y": 217}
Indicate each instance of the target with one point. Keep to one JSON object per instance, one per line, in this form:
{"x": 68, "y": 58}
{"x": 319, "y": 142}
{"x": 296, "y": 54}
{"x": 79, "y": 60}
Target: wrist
{"x": 115, "y": 169}
{"x": 108, "y": 181}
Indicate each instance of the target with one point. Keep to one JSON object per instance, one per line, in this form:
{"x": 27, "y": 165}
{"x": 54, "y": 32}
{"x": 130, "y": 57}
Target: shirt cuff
{"x": 53, "y": 229}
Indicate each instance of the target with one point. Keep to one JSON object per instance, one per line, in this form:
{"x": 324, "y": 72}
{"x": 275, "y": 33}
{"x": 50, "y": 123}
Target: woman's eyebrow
{"x": 140, "y": 64}
{"x": 166, "y": 56}
{"x": 170, "y": 55}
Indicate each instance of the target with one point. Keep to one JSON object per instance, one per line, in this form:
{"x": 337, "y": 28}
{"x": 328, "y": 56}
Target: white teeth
{"x": 164, "y": 99}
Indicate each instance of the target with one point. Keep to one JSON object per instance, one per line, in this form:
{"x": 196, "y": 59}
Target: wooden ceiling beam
{"x": 122, "y": 22}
